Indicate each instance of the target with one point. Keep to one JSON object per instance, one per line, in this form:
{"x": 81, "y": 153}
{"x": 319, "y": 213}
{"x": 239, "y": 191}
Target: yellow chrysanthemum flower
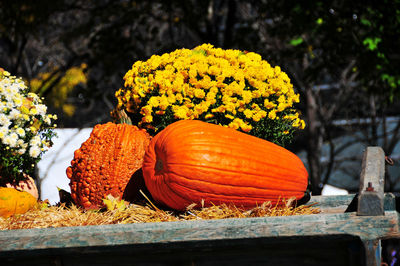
{"x": 227, "y": 87}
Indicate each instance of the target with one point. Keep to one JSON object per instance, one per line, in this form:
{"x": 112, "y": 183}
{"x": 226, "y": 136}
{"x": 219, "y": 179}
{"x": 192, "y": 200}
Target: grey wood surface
{"x": 323, "y": 239}
{"x": 364, "y": 227}
{"x": 371, "y": 192}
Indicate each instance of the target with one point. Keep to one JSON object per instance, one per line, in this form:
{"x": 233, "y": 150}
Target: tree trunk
{"x": 314, "y": 143}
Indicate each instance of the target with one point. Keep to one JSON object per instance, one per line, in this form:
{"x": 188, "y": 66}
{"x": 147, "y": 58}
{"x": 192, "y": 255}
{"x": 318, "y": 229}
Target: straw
{"x": 46, "y": 216}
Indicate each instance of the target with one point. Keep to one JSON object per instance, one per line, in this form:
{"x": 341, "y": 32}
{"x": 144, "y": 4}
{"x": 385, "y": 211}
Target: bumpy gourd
{"x": 13, "y": 201}
{"x": 105, "y": 163}
{"x": 196, "y": 162}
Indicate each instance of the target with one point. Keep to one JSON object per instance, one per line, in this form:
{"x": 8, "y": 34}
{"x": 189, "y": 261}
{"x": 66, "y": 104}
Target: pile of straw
{"x": 60, "y": 216}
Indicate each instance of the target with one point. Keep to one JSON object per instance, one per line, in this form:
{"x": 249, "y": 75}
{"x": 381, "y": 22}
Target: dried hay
{"x": 45, "y": 216}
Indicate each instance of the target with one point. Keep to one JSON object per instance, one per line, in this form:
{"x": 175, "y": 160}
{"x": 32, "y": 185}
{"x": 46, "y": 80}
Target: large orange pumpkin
{"x": 106, "y": 162}
{"x": 196, "y": 162}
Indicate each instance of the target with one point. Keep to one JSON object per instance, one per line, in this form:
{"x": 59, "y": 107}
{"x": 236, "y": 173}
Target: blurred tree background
{"x": 342, "y": 57}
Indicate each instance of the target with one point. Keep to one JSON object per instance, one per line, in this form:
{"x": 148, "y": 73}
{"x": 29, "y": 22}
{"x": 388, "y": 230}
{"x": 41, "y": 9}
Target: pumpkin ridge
{"x": 227, "y": 185}
{"x": 196, "y": 148}
{"x": 208, "y": 167}
{"x": 175, "y": 158}
{"x": 159, "y": 195}
{"x": 166, "y": 193}
{"x": 287, "y": 157}
{"x": 239, "y": 201}
{"x": 230, "y": 195}
{"x": 175, "y": 196}
{"x": 160, "y": 189}
{"x": 227, "y": 135}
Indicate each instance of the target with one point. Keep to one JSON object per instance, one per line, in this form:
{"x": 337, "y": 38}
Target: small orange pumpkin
{"x": 193, "y": 162}
{"x": 13, "y": 201}
{"x": 105, "y": 163}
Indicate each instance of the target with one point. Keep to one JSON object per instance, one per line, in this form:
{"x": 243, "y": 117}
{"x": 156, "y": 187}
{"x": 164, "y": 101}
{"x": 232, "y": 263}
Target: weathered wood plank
{"x": 348, "y": 203}
{"x": 371, "y": 193}
{"x": 327, "y": 250}
{"x": 365, "y": 227}
{"x": 333, "y": 204}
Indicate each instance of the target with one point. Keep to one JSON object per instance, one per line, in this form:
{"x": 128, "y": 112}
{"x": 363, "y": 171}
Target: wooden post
{"x": 371, "y": 197}
{"x": 373, "y": 252}
{"x": 371, "y": 193}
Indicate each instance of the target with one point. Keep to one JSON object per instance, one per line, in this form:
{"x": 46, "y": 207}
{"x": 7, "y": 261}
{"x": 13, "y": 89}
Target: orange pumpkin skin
{"x": 193, "y": 162}
{"x": 13, "y": 201}
{"x": 105, "y": 162}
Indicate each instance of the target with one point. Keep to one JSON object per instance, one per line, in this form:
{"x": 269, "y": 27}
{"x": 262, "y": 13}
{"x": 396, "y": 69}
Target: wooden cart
{"x": 348, "y": 231}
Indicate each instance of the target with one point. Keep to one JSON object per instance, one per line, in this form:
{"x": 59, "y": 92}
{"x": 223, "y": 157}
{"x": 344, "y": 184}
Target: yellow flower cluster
{"x": 228, "y": 87}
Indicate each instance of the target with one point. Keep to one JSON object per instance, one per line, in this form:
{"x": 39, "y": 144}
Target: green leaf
{"x": 372, "y": 43}
{"x": 366, "y": 22}
{"x": 200, "y": 51}
{"x": 296, "y": 41}
{"x": 385, "y": 77}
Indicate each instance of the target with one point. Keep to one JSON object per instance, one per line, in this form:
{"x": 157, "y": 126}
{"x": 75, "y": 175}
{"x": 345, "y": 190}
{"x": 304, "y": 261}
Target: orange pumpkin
{"x": 193, "y": 162}
{"x": 13, "y": 201}
{"x": 105, "y": 163}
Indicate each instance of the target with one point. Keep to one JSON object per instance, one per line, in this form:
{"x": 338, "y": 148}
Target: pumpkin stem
{"x": 159, "y": 166}
{"x": 121, "y": 117}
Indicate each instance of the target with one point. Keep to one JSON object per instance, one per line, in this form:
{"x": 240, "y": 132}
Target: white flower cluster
{"x": 22, "y": 115}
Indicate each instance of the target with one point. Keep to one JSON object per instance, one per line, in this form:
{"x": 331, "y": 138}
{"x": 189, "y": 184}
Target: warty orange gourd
{"x": 105, "y": 163}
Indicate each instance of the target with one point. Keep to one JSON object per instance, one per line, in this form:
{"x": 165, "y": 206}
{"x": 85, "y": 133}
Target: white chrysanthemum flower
{"x": 8, "y": 97}
{"x": 21, "y": 144}
{"x": 9, "y": 105}
{"x": 4, "y": 120}
{"x": 35, "y": 141}
{"x": 34, "y": 151}
{"x": 20, "y": 131}
{"x": 18, "y": 111}
{"x": 34, "y": 96}
{"x": 11, "y": 140}
{"x": 3, "y": 132}
{"x": 21, "y": 85}
{"x": 14, "y": 89}
{"x": 41, "y": 109}
{"x": 14, "y": 114}
{"x": 21, "y": 151}
{"x": 18, "y": 100}
{"x": 47, "y": 120}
